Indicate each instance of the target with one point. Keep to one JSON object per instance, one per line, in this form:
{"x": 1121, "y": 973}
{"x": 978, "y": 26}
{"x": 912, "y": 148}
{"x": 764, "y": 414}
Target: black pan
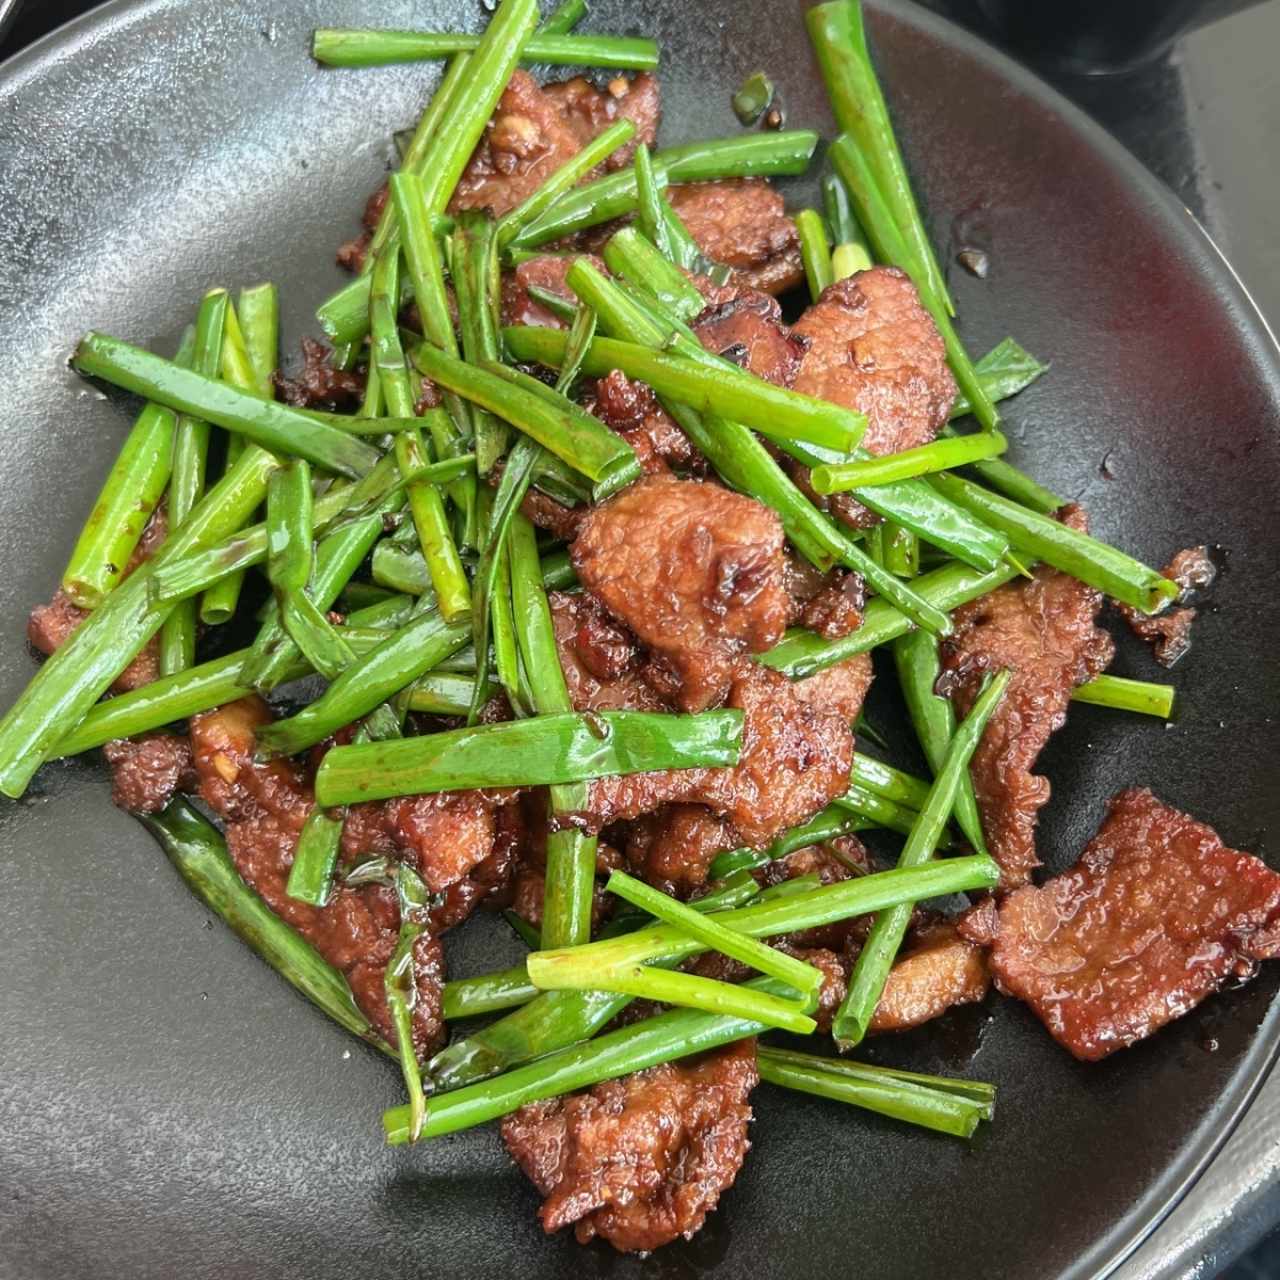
{"x": 169, "y": 1106}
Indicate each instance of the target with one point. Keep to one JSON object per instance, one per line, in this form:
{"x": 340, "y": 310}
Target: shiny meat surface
{"x": 546, "y": 272}
{"x": 742, "y": 223}
{"x": 557, "y": 519}
{"x": 1169, "y": 633}
{"x": 938, "y": 971}
{"x": 50, "y": 625}
{"x": 1157, "y": 915}
{"x": 674, "y": 848}
{"x": 640, "y": 1160}
{"x": 589, "y": 111}
{"x": 263, "y": 806}
{"x": 795, "y": 760}
{"x": 874, "y": 348}
{"x": 840, "y": 689}
{"x": 1045, "y": 631}
{"x": 599, "y": 657}
{"x": 535, "y": 130}
{"x": 147, "y": 772}
{"x": 696, "y": 572}
{"x": 318, "y": 384}
{"x": 836, "y": 610}
{"x": 747, "y": 328}
{"x": 632, "y": 410}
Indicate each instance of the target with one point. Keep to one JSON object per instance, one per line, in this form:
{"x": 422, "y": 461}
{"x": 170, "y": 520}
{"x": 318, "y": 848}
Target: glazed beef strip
{"x": 706, "y": 589}
{"x": 632, "y": 410}
{"x": 1045, "y": 631}
{"x": 641, "y": 1160}
{"x": 873, "y": 347}
{"x": 1157, "y": 915}
{"x": 1169, "y": 633}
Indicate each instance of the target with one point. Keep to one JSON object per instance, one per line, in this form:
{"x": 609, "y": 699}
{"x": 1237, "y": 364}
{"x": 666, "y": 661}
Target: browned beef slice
{"x": 747, "y": 328}
{"x": 50, "y": 625}
{"x": 696, "y": 572}
{"x": 937, "y": 971}
{"x": 632, "y": 410}
{"x": 1169, "y": 633}
{"x": 589, "y": 111}
{"x": 674, "y": 848}
{"x": 836, "y": 610}
{"x": 547, "y": 272}
{"x": 795, "y": 759}
{"x": 264, "y": 805}
{"x": 1155, "y": 916}
{"x": 600, "y": 658}
{"x": 557, "y": 519}
{"x": 352, "y": 254}
{"x": 874, "y": 348}
{"x": 840, "y": 689}
{"x": 741, "y": 223}
{"x": 1045, "y": 631}
{"x": 319, "y": 385}
{"x": 643, "y": 1159}
{"x": 147, "y": 772}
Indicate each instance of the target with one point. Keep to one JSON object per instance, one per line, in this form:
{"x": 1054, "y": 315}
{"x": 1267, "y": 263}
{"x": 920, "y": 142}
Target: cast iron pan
{"x": 169, "y": 1106}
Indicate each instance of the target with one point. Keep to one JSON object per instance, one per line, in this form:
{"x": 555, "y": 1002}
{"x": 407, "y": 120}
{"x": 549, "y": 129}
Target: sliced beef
{"x": 874, "y": 348}
{"x": 1157, "y": 915}
{"x": 589, "y": 111}
{"x": 840, "y": 689}
{"x": 546, "y": 272}
{"x": 536, "y": 130}
{"x": 836, "y": 610}
{"x": 643, "y": 1159}
{"x": 632, "y": 410}
{"x": 264, "y": 806}
{"x": 1169, "y": 633}
{"x": 741, "y": 222}
{"x": 600, "y": 658}
{"x": 938, "y": 971}
{"x": 318, "y": 384}
{"x": 747, "y": 328}
{"x": 352, "y": 254}
{"x": 1045, "y": 631}
{"x": 50, "y": 625}
{"x": 544, "y": 511}
{"x": 696, "y": 572}
{"x": 147, "y": 772}
{"x": 795, "y": 760}
{"x": 674, "y": 848}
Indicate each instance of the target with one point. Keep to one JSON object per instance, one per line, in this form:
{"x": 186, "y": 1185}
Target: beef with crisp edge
{"x": 641, "y": 1160}
{"x": 1169, "y": 633}
{"x": 706, "y": 589}
{"x": 1157, "y": 915}
{"x": 1044, "y": 630}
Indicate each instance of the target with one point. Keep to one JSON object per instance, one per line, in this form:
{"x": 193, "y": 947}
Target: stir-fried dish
{"x": 548, "y": 584}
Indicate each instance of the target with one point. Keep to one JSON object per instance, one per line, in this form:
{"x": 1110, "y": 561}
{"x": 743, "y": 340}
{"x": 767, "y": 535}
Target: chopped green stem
{"x": 562, "y": 19}
{"x": 919, "y": 666}
{"x": 686, "y": 990}
{"x": 1096, "y": 563}
{"x": 650, "y": 211}
{"x": 199, "y": 853}
{"x": 542, "y": 751}
{"x": 941, "y": 455}
{"x": 753, "y": 98}
{"x": 1143, "y": 696}
{"x": 804, "y": 978}
{"x": 929, "y": 1108}
{"x": 845, "y": 232}
{"x": 859, "y": 108}
{"x": 1004, "y": 371}
{"x": 557, "y": 424}
{"x": 878, "y": 810}
{"x": 134, "y": 486}
{"x": 488, "y": 993}
{"x": 267, "y": 423}
{"x": 632, "y": 257}
{"x": 815, "y": 251}
{"x": 835, "y": 820}
{"x": 614, "y": 196}
{"x": 723, "y": 389}
{"x": 311, "y": 875}
{"x": 187, "y": 476}
{"x": 439, "y": 550}
{"x": 884, "y": 780}
{"x": 848, "y": 259}
{"x": 802, "y": 653}
{"x": 361, "y": 47}
{"x": 866, "y": 983}
{"x": 600, "y": 148}
{"x": 397, "y": 662}
{"x": 474, "y": 258}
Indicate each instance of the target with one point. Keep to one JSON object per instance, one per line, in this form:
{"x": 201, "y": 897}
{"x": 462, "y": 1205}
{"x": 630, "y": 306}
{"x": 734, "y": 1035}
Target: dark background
{"x": 1203, "y": 115}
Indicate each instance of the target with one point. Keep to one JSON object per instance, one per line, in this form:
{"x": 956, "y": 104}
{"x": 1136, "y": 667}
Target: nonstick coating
{"x": 170, "y": 1107}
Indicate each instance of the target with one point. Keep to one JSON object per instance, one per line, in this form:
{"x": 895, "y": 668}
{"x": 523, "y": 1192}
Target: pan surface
{"x": 170, "y": 1107}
